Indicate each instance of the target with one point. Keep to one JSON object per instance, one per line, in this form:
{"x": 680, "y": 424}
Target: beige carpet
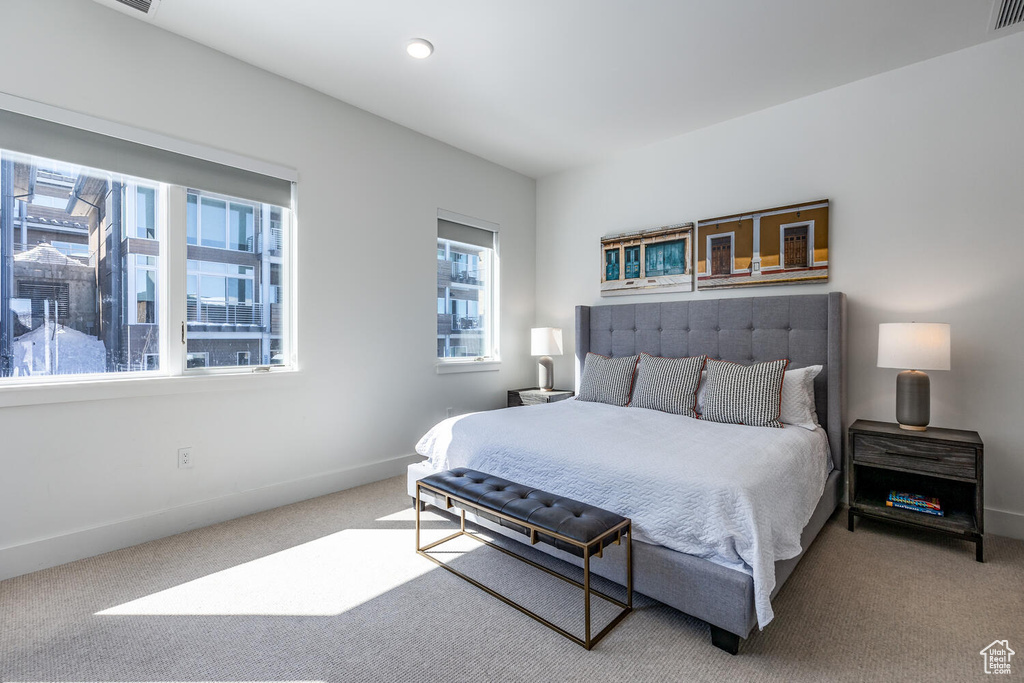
{"x": 331, "y": 590}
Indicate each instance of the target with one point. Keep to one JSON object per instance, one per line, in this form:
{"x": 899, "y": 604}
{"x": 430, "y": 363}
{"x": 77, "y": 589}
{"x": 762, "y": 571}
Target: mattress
{"x": 737, "y": 496}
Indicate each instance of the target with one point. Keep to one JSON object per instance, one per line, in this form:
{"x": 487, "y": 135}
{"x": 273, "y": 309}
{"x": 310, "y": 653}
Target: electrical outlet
{"x": 449, "y": 411}
{"x": 185, "y": 458}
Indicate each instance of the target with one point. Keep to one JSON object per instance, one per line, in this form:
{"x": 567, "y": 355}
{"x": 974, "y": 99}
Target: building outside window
{"x": 235, "y": 292}
{"x": 76, "y": 297}
{"x": 466, "y": 286}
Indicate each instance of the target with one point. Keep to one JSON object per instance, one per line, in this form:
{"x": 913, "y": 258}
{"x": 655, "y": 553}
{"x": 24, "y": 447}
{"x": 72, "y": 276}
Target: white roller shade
{"x": 30, "y": 135}
{"x": 457, "y": 232}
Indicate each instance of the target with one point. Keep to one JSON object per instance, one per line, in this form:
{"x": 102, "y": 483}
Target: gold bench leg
{"x": 586, "y": 595}
{"x": 588, "y": 641}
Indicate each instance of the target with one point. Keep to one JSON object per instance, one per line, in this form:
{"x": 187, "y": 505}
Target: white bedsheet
{"x": 735, "y": 495}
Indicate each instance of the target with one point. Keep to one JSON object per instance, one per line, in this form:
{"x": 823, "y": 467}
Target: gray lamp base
{"x": 913, "y": 400}
{"x": 545, "y": 373}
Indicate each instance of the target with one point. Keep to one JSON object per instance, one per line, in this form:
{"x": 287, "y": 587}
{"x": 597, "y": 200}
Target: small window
{"x": 242, "y": 358}
{"x": 145, "y": 212}
{"x": 195, "y": 359}
{"x": 151, "y": 361}
{"x": 466, "y": 285}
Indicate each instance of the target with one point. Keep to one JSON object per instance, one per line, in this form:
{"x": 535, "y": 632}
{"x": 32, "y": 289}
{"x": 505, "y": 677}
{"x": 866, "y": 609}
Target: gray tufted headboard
{"x": 806, "y": 329}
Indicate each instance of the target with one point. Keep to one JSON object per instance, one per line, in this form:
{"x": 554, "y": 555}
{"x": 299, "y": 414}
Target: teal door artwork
{"x": 632, "y": 262}
{"x": 666, "y": 258}
{"x": 611, "y": 264}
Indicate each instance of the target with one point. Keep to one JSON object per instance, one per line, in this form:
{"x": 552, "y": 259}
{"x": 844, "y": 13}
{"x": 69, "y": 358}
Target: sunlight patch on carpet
{"x": 324, "y": 577}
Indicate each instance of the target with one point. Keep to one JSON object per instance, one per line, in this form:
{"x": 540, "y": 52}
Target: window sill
{"x": 453, "y": 366}
{"x": 93, "y": 389}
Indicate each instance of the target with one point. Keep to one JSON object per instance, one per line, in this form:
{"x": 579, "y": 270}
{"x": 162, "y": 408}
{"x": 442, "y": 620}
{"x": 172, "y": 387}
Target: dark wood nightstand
{"x": 531, "y": 397}
{"x": 947, "y": 464}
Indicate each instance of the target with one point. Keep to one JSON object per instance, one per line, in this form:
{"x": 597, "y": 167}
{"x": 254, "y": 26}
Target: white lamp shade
{"x": 546, "y": 341}
{"x": 913, "y": 346}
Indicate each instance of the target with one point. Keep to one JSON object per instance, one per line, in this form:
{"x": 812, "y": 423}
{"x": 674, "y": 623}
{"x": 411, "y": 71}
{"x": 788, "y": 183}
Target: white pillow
{"x": 798, "y": 397}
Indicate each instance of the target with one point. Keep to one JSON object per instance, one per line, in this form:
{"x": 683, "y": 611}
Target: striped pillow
{"x": 744, "y": 394}
{"x": 607, "y": 380}
{"x": 667, "y": 384}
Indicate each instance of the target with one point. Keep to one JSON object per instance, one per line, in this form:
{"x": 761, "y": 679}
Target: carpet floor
{"x": 330, "y": 590}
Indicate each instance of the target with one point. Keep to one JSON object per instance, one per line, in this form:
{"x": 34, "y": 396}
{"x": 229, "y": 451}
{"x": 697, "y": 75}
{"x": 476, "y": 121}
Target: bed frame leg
{"x": 723, "y": 640}
{"x": 423, "y": 506}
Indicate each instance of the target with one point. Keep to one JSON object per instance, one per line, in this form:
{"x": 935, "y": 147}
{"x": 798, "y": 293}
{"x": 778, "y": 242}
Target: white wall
{"x": 924, "y": 167}
{"x": 84, "y": 477}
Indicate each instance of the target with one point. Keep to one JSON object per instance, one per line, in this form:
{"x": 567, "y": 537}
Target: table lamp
{"x": 546, "y": 342}
{"x": 919, "y": 346}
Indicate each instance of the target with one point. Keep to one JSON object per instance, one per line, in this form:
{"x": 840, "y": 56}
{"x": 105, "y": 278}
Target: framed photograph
{"x": 782, "y": 245}
{"x": 643, "y": 261}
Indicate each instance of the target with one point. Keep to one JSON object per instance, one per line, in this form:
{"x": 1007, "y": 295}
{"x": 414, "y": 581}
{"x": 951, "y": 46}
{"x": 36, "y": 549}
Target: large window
{"x": 85, "y": 279}
{"x": 466, "y": 287}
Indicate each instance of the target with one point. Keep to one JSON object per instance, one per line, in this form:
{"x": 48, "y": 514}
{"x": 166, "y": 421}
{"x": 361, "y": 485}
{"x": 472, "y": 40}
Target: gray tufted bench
{"x": 577, "y": 528}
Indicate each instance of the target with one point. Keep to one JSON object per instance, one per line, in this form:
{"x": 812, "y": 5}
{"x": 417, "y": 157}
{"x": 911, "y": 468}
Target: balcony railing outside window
{"x": 225, "y": 314}
{"x": 460, "y": 273}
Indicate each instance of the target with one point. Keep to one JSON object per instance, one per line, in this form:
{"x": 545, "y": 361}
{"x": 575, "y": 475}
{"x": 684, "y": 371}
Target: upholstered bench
{"x": 577, "y": 528}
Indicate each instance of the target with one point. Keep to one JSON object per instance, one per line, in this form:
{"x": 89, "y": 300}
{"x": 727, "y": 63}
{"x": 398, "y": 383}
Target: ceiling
{"x": 543, "y": 85}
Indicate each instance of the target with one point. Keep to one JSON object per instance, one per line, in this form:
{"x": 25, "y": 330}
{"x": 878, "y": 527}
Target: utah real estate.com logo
{"x": 997, "y": 657}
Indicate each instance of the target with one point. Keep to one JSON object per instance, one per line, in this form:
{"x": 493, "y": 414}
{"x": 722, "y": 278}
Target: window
{"x": 145, "y": 289}
{"x": 195, "y": 359}
{"x": 69, "y": 311}
{"x": 466, "y": 286}
{"x": 87, "y": 288}
{"x": 236, "y": 306}
{"x": 145, "y": 212}
{"x": 221, "y": 224}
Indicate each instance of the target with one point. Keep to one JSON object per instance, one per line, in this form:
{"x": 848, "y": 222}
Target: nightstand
{"x": 532, "y": 397}
{"x": 947, "y": 464}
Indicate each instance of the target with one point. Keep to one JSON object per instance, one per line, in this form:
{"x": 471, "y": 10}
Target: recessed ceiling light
{"x": 419, "y": 48}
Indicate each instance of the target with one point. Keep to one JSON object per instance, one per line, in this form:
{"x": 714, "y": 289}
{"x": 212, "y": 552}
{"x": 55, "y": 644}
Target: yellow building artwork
{"x": 648, "y": 260}
{"x": 784, "y": 245}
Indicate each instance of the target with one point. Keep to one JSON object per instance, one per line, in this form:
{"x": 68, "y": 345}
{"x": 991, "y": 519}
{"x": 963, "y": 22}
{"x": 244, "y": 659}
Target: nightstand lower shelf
{"x": 953, "y": 522}
{"x": 957, "y": 497}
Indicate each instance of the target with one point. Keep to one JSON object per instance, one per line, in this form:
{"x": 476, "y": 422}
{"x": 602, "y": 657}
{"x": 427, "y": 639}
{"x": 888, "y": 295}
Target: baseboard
{"x": 1004, "y": 523}
{"x": 49, "y": 552}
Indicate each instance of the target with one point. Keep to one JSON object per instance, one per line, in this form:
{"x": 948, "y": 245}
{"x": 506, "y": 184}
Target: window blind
{"x": 457, "y": 232}
{"x": 30, "y": 135}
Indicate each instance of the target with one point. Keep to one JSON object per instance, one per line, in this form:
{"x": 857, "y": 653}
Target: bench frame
{"x": 624, "y": 528}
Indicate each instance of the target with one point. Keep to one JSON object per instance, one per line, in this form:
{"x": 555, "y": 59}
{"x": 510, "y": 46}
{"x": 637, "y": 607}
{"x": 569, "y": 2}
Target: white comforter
{"x": 738, "y": 496}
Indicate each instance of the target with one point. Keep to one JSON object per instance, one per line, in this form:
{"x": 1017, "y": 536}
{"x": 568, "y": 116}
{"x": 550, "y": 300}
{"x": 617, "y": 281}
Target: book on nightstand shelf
{"x": 915, "y": 502}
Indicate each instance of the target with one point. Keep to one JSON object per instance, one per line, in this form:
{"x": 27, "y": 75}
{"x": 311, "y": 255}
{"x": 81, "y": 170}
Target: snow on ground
{"x": 71, "y": 352}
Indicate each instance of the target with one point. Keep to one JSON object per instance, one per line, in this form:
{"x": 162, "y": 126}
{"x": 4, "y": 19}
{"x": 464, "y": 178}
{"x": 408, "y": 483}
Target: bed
{"x": 722, "y": 568}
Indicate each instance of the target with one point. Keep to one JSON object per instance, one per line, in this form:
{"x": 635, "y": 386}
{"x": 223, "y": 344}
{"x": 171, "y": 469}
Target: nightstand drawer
{"x": 939, "y": 458}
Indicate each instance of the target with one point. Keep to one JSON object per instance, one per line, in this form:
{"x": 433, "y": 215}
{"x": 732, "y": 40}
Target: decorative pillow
{"x": 607, "y": 380}
{"x": 744, "y": 394}
{"x": 667, "y": 384}
{"x": 798, "y": 398}
{"x": 703, "y": 389}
